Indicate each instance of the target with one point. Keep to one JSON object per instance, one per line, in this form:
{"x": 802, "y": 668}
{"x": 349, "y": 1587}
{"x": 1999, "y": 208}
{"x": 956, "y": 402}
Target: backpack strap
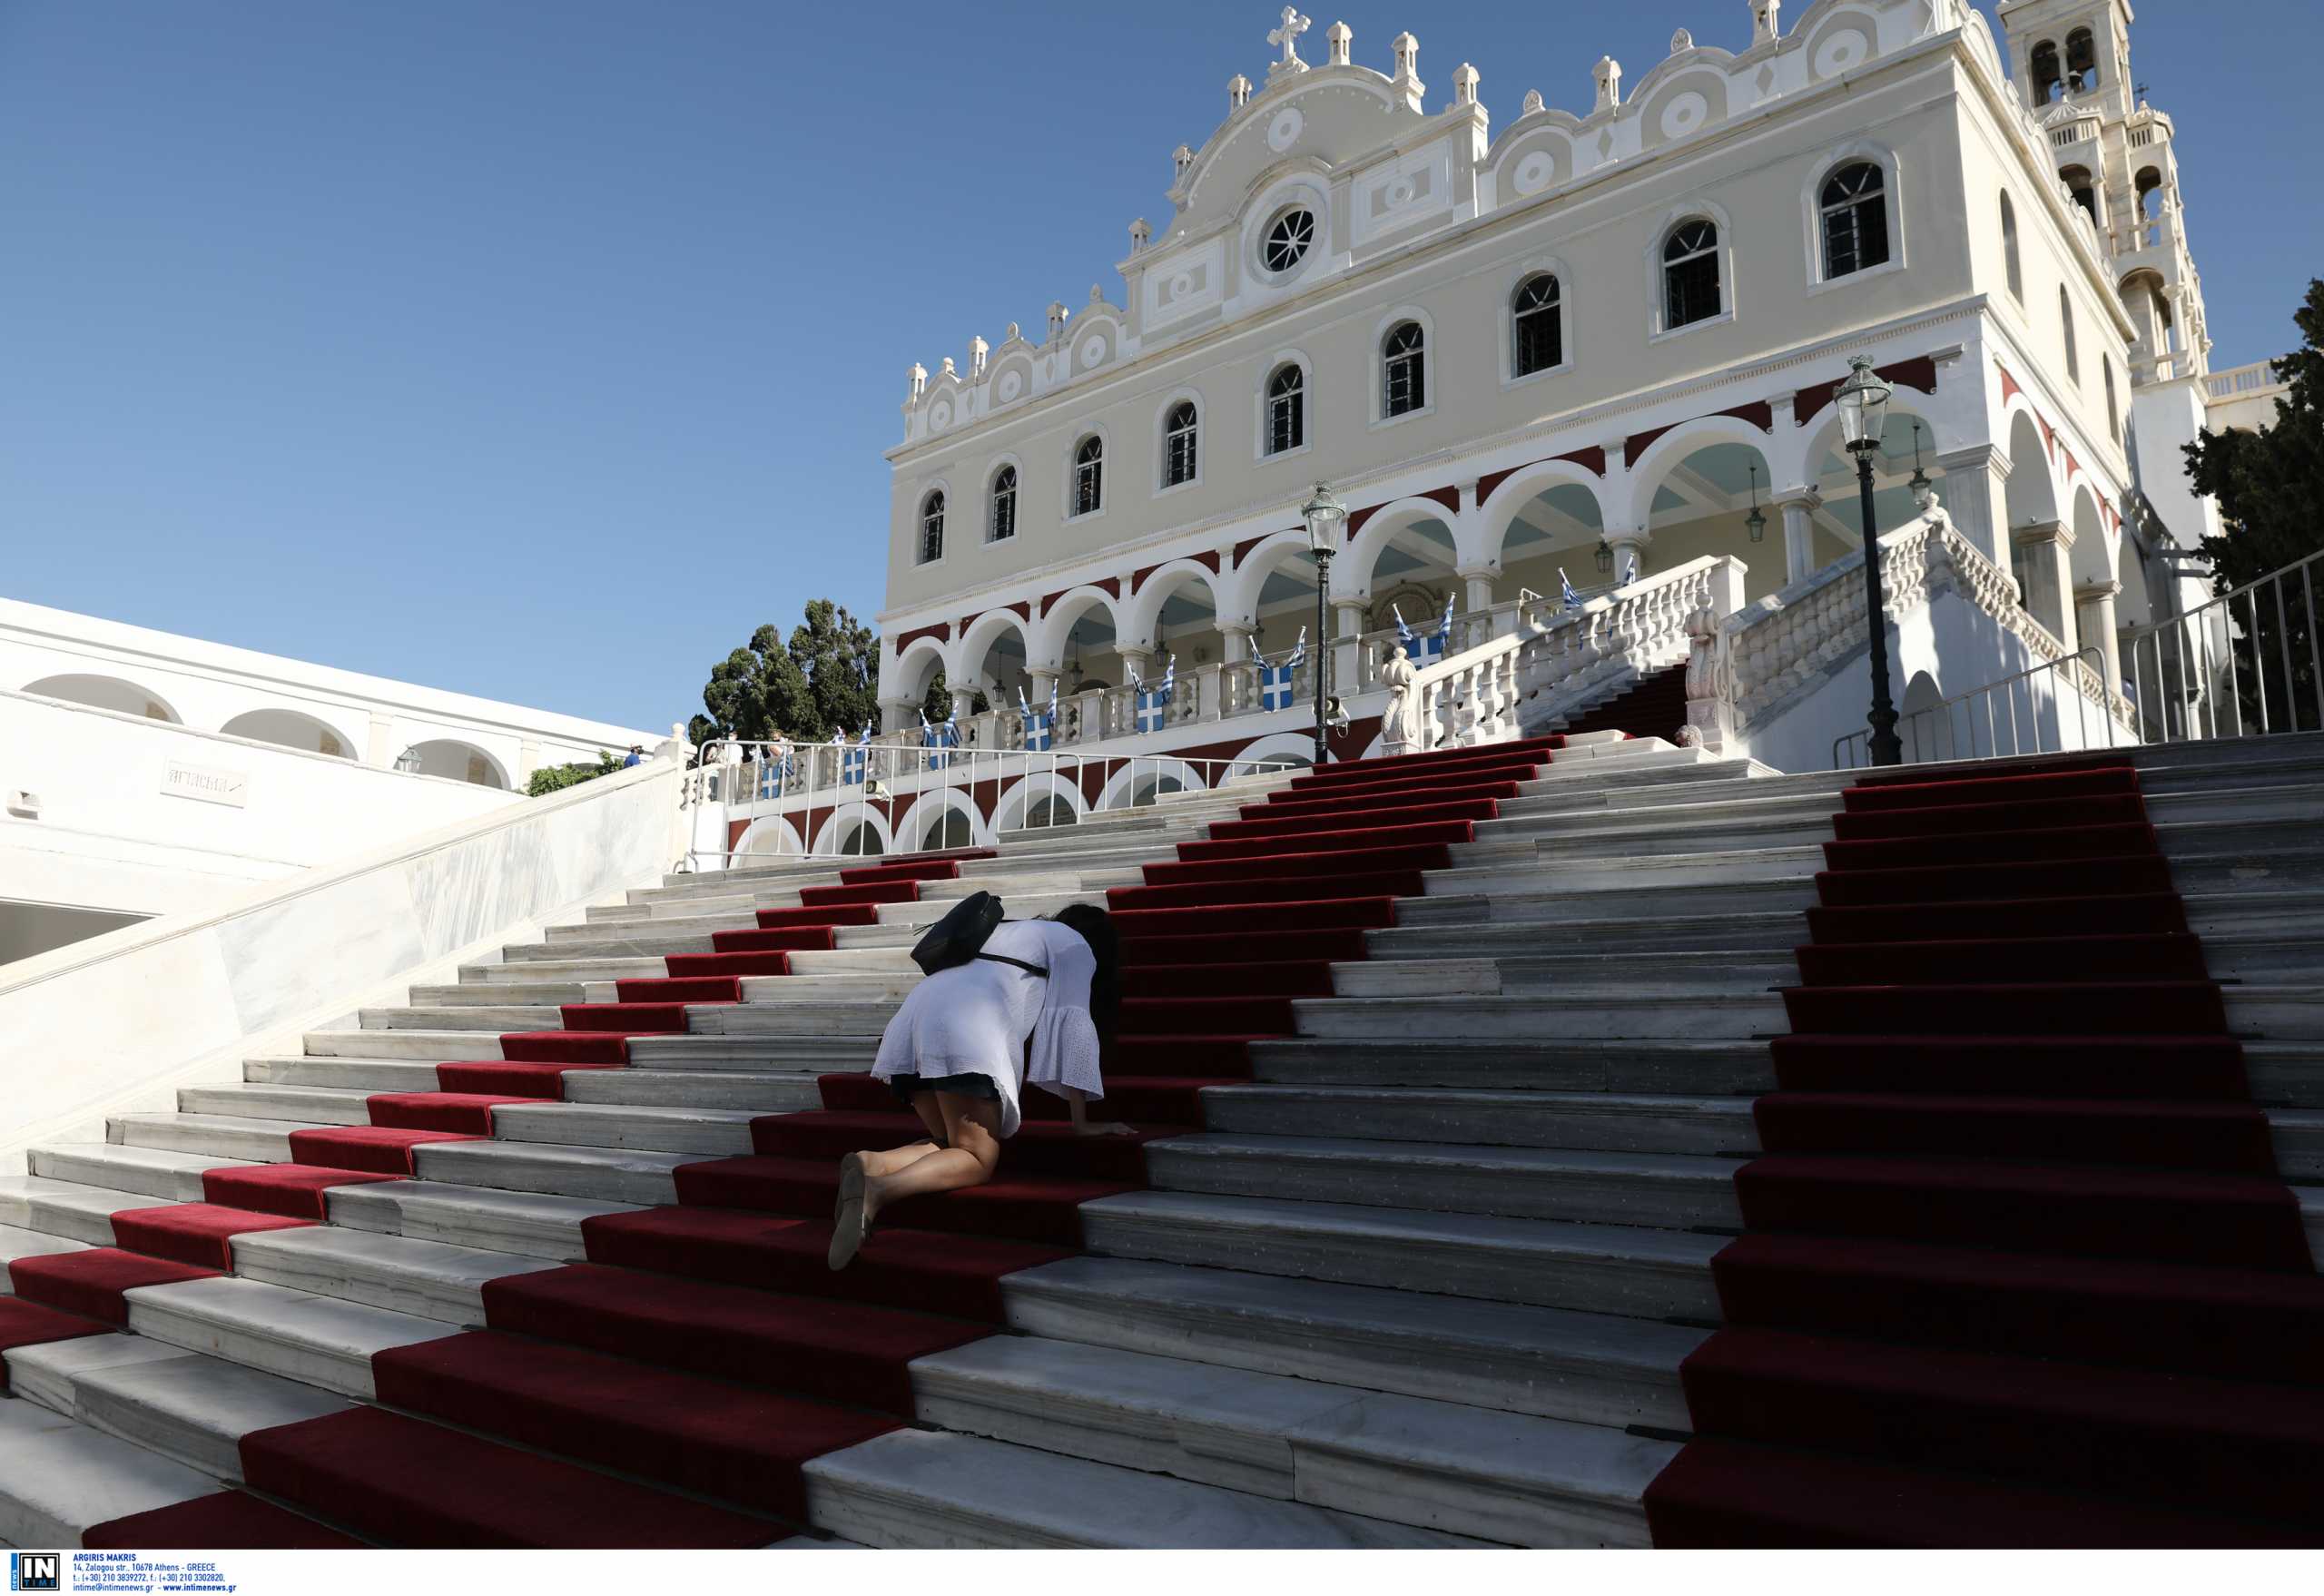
{"x": 1020, "y": 963}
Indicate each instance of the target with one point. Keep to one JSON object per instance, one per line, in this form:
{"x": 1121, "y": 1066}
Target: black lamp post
{"x": 1325, "y": 516}
{"x": 1863, "y": 400}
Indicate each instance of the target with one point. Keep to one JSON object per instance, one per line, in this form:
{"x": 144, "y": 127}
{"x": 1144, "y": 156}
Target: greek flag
{"x": 947, "y": 735}
{"x": 1630, "y": 567}
{"x": 1151, "y": 705}
{"x": 775, "y": 775}
{"x": 1425, "y": 652}
{"x": 1275, "y": 680}
{"x": 1040, "y": 730}
{"x": 852, "y": 763}
{"x": 1567, "y": 599}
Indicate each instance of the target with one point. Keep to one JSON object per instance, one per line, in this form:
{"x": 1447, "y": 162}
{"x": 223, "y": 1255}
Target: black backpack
{"x": 961, "y": 936}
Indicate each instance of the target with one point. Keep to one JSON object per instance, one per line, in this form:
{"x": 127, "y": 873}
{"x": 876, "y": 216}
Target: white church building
{"x": 1571, "y": 355}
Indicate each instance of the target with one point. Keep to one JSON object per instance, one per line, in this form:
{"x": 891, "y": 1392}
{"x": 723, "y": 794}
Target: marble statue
{"x": 1400, "y": 722}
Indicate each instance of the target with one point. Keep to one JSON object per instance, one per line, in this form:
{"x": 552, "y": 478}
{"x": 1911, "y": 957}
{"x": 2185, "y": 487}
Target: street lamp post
{"x": 1325, "y": 516}
{"x": 1863, "y": 400}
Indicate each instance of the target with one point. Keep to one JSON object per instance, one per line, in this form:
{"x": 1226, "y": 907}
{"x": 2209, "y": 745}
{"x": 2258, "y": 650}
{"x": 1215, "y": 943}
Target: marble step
{"x": 405, "y": 1274}
{"x": 68, "y": 1208}
{"x": 322, "y": 1341}
{"x": 917, "y": 1488}
{"x": 495, "y": 1018}
{"x": 264, "y": 1141}
{"x": 59, "y": 1478}
{"x": 45, "y": 1371}
{"x": 1777, "y": 932}
{"x": 1682, "y": 1067}
{"x": 2290, "y": 1074}
{"x": 1502, "y": 1477}
{"x": 1556, "y": 897}
{"x": 1591, "y": 1368}
{"x": 1669, "y": 1191}
{"x": 307, "y": 1105}
{"x": 185, "y": 1406}
{"x": 534, "y": 1224}
{"x": 17, "y": 1242}
{"x": 701, "y": 1132}
{"x": 1675, "y": 1007}
{"x": 348, "y": 1074}
{"x": 603, "y": 1175}
{"x": 1596, "y": 1268}
{"x": 155, "y": 1172}
{"x": 1603, "y": 1122}
{"x": 749, "y": 1091}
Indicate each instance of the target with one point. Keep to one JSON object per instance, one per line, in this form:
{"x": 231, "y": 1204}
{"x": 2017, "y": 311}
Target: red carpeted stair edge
{"x": 2018, "y": 1267}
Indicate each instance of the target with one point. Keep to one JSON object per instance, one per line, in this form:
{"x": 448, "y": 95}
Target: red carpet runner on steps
{"x": 705, "y": 1347}
{"x": 2018, "y": 1269}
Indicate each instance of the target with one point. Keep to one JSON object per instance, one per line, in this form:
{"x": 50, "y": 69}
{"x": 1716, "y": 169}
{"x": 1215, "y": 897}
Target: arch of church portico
{"x": 454, "y": 759}
{"x": 1688, "y": 495}
{"x": 1141, "y": 781}
{"x": 1830, "y": 470}
{"x": 1656, "y": 462}
{"x": 840, "y": 826}
{"x": 114, "y": 692}
{"x": 2097, "y": 549}
{"x": 1358, "y": 567}
{"x": 1044, "y": 796}
{"x": 1145, "y": 616}
{"x": 914, "y": 669}
{"x": 290, "y": 728}
{"x": 928, "y": 822}
{"x": 1054, "y": 631}
{"x": 770, "y": 834}
{"x": 993, "y": 654}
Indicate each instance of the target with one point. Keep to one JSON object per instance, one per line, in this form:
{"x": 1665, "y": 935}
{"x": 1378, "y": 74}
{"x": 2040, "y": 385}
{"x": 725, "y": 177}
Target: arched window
{"x": 1089, "y": 476}
{"x": 2083, "y": 187}
{"x": 1286, "y": 409}
{"x": 1541, "y": 331}
{"x": 2065, "y": 317}
{"x": 2082, "y": 62}
{"x": 1178, "y": 437}
{"x": 1404, "y": 373}
{"x": 1004, "y": 504}
{"x": 1856, "y": 220}
{"x": 2049, "y": 82}
{"x": 1690, "y": 274}
{"x": 2009, "y": 250}
{"x": 931, "y": 528}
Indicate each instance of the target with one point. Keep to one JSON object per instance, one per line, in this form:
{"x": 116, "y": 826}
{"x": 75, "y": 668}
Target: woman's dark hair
{"x": 1097, "y": 929}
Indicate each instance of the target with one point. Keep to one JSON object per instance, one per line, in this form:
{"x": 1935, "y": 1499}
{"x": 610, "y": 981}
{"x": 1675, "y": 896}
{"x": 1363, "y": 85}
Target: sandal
{"x": 851, "y": 1183}
{"x": 847, "y": 1233}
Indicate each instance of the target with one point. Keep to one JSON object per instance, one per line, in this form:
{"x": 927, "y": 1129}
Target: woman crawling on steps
{"x": 966, "y": 1042}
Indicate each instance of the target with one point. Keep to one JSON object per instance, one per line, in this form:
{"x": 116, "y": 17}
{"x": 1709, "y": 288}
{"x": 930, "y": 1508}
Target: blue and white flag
{"x": 1630, "y": 566}
{"x": 947, "y": 735}
{"x": 853, "y": 762}
{"x": 1274, "y": 680}
{"x": 1151, "y": 705}
{"x": 1567, "y": 599}
{"x": 1421, "y": 651}
{"x": 1040, "y": 730}
{"x": 775, "y": 775}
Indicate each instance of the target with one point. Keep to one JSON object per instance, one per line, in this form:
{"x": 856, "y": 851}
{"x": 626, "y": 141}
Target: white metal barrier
{"x": 849, "y": 799}
{"x": 1950, "y": 730}
{"x": 2245, "y": 664}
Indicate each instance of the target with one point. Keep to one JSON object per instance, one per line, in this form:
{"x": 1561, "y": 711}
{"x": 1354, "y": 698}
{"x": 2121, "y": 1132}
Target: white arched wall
{"x": 450, "y": 758}
{"x": 103, "y": 692}
{"x": 1781, "y": 455}
{"x": 1117, "y": 791}
{"x": 2033, "y": 488}
{"x": 1143, "y": 615}
{"x": 1363, "y": 554}
{"x": 964, "y": 668}
{"x": 1482, "y": 537}
{"x": 1296, "y": 746}
{"x": 770, "y": 836}
{"x": 1009, "y": 815}
{"x": 1046, "y": 645}
{"x": 2096, "y": 553}
{"x": 291, "y": 728}
{"x": 842, "y": 821}
{"x": 930, "y": 808}
{"x": 916, "y": 669}
{"x": 1239, "y": 601}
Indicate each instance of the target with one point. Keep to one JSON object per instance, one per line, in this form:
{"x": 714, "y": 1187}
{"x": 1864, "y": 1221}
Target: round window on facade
{"x": 1288, "y": 238}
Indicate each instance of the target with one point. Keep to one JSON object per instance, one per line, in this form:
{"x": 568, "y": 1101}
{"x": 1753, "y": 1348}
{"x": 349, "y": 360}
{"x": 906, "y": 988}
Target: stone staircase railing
{"x": 1560, "y": 663}
{"x": 1746, "y": 668}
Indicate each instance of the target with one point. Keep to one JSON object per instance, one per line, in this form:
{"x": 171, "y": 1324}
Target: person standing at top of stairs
{"x": 1037, "y": 1009}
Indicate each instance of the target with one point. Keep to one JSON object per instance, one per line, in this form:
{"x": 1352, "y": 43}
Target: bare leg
{"x": 972, "y": 1126}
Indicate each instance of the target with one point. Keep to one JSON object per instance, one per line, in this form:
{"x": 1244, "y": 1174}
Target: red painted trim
{"x": 1918, "y": 372}
{"x": 904, "y": 640}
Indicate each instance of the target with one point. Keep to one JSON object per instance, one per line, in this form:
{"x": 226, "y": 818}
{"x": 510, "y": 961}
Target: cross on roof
{"x": 1287, "y": 35}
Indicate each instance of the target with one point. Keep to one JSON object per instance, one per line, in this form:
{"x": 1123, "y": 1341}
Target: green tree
{"x": 2268, "y": 484}
{"x": 839, "y": 660}
{"x": 555, "y": 778}
{"x": 824, "y": 679}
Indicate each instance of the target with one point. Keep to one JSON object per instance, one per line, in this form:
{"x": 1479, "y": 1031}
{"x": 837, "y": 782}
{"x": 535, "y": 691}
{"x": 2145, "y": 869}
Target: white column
{"x": 964, "y": 702}
{"x": 1477, "y": 590}
{"x": 897, "y": 714}
{"x": 2093, "y": 606}
{"x": 382, "y": 750}
{"x": 1798, "y": 506}
{"x": 1974, "y": 493}
{"x": 1137, "y": 659}
{"x": 1237, "y": 642}
{"x": 1044, "y": 679}
{"x": 1626, "y": 541}
{"x": 2045, "y": 551}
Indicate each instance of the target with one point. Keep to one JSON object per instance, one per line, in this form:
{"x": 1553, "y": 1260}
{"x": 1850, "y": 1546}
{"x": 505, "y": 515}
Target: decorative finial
{"x": 1337, "y": 38}
{"x": 1406, "y": 81}
{"x": 1610, "y": 82}
{"x": 1239, "y": 92}
{"x": 1181, "y": 158}
{"x": 1681, "y": 41}
{"x": 918, "y": 376}
{"x": 1764, "y": 28}
{"x": 947, "y": 366}
{"x": 1057, "y": 320}
{"x": 978, "y": 351}
{"x": 1141, "y": 233}
{"x": 1015, "y": 332}
{"x": 1532, "y": 101}
{"x": 1288, "y": 37}
{"x": 1097, "y": 294}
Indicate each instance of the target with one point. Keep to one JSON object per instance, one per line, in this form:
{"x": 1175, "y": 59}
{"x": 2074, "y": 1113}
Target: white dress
{"x": 985, "y": 1017}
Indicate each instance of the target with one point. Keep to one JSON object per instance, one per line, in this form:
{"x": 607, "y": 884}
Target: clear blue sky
{"x": 542, "y": 351}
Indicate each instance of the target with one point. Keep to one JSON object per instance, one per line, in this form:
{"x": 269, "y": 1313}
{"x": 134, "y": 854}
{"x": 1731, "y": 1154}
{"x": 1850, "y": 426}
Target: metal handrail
{"x": 1928, "y": 733}
{"x": 821, "y": 779}
{"x": 2203, "y": 657}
